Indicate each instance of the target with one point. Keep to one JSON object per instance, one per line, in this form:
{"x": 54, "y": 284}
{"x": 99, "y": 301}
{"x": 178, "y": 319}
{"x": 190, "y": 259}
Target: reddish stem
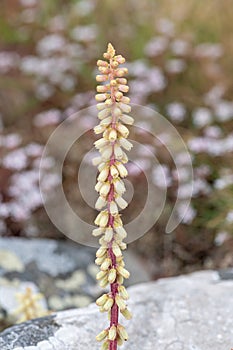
{"x": 114, "y": 286}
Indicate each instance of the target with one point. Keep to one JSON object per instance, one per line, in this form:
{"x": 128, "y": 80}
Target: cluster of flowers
{"x": 113, "y": 107}
{"x": 29, "y": 306}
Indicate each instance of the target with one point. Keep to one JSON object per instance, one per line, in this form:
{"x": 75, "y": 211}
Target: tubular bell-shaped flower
{"x": 112, "y": 106}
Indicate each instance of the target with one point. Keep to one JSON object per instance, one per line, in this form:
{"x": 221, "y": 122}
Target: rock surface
{"x": 192, "y": 312}
{"x": 63, "y": 271}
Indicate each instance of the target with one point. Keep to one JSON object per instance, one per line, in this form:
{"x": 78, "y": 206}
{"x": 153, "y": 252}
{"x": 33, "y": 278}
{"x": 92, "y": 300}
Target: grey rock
{"x": 31, "y": 333}
{"x": 50, "y": 256}
{"x": 226, "y": 274}
{"x": 57, "y": 268}
{"x": 192, "y": 312}
{"x": 63, "y": 271}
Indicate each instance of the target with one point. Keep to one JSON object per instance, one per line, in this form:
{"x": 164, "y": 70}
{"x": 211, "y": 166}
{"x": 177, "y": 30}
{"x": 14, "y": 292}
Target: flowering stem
{"x": 113, "y": 106}
{"x": 113, "y": 286}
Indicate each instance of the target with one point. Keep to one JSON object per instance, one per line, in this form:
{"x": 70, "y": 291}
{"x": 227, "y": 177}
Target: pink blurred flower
{"x": 50, "y": 117}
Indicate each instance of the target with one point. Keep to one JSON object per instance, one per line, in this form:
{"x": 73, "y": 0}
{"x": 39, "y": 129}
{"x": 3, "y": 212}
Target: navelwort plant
{"x": 29, "y": 306}
{"x": 113, "y": 107}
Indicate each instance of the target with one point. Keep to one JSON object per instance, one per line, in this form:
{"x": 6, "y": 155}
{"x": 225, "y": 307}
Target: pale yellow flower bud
{"x": 124, "y": 107}
{"x": 120, "y": 72}
{"x": 101, "y": 274}
{"x": 104, "y": 113}
{"x": 123, "y": 88}
{"x": 100, "y": 260}
{"x": 103, "y": 243}
{"x": 101, "y": 143}
{"x": 97, "y": 219}
{"x": 98, "y": 129}
{"x": 125, "y": 99}
{"x": 120, "y": 302}
{"x": 118, "y": 260}
{"x": 114, "y": 64}
{"x": 101, "y": 78}
{"x": 125, "y": 273}
{"x": 101, "y": 97}
{"x": 112, "y": 275}
{"x": 101, "y": 166}
{"x": 118, "y": 95}
{"x": 101, "y": 106}
{"x": 102, "y": 88}
{"x": 100, "y": 203}
{"x": 122, "y": 332}
{"x": 116, "y": 250}
{"x": 114, "y": 172}
{"x": 108, "y": 234}
{"x": 111, "y": 51}
{"x": 102, "y": 218}
{"x": 122, "y": 264}
{"x": 123, "y": 292}
{"x": 119, "y": 186}
{"x": 108, "y": 102}
{"x": 106, "y": 55}
{"x": 113, "y": 83}
{"x": 105, "y": 345}
{"x": 127, "y": 314}
{"x": 119, "y": 341}
{"x": 121, "y": 231}
{"x": 117, "y": 221}
{"x": 106, "y": 121}
{"x": 104, "y": 70}
{"x": 106, "y": 264}
{"x": 118, "y": 151}
{"x": 103, "y": 282}
{"x": 101, "y": 252}
{"x": 103, "y": 175}
{"x": 125, "y": 143}
{"x": 104, "y": 190}
{"x": 112, "y": 135}
{"x": 124, "y": 159}
{"x": 120, "y": 279}
{"x": 102, "y": 63}
{"x": 120, "y": 59}
{"x": 127, "y": 119}
{"x": 97, "y": 231}
{"x": 112, "y": 333}
{"x": 122, "y": 81}
{"x": 122, "y": 245}
{"x": 116, "y": 112}
{"x": 102, "y": 300}
{"x": 113, "y": 209}
{"x": 102, "y": 335}
{"x": 121, "y": 202}
{"x": 107, "y": 152}
{"x": 98, "y": 186}
{"x": 118, "y": 238}
{"x": 123, "y": 130}
{"x": 109, "y": 303}
{"x": 109, "y": 315}
{"x": 122, "y": 169}
{"x": 101, "y": 309}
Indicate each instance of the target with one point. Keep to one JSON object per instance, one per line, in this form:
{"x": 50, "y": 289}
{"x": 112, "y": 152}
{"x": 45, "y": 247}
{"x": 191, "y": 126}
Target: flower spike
{"x": 113, "y": 107}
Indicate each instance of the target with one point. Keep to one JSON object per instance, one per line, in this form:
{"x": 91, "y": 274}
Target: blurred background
{"x": 179, "y": 56}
